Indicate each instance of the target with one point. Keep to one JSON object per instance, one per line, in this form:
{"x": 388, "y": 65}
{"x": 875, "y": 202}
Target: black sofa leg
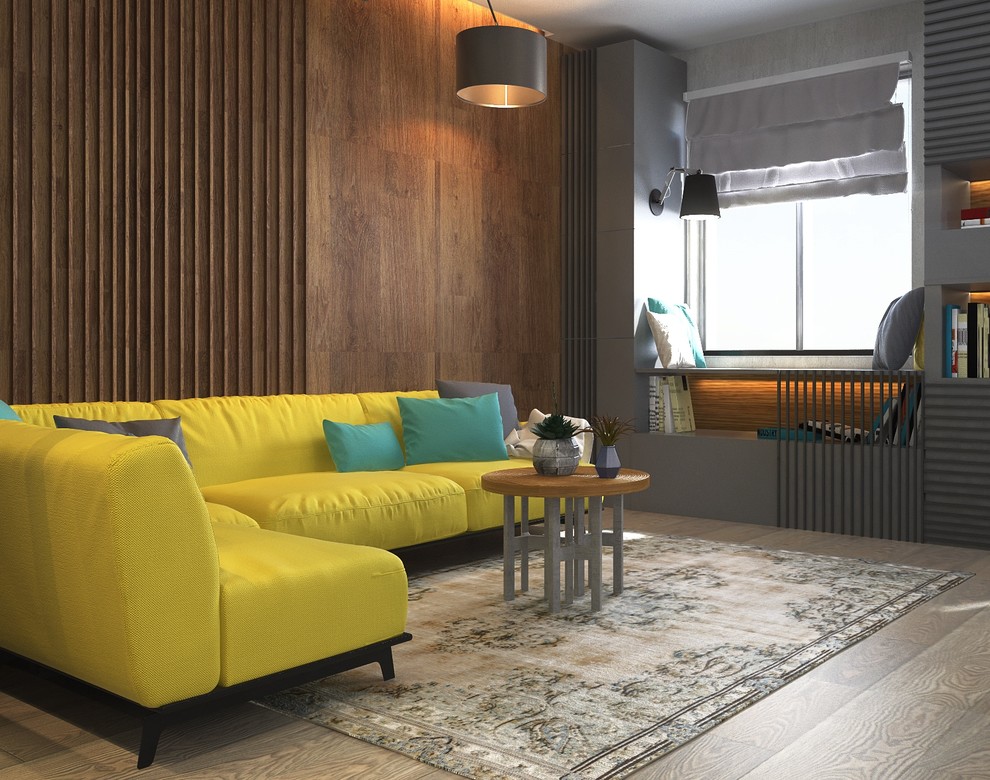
{"x": 150, "y": 733}
{"x": 387, "y": 667}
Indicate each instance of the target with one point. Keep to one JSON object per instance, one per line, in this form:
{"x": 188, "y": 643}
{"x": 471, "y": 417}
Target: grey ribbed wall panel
{"x": 957, "y": 72}
{"x": 578, "y": 226}
{"x": 957, "y": 463}
{"x": 868, "y": 486}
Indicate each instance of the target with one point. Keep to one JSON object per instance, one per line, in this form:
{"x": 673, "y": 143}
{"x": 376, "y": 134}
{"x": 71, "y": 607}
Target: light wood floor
{"x": 912, "y": 702}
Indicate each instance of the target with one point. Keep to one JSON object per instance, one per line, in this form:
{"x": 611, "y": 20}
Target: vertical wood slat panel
{"x": 21, "y": 186}
{"x": 41, "y": 206}
{"x": 299, "y": 193}
{"x": 152, "y": 164}
{"x": 59, "y": 223}
{"x": 75, "y": 336}
{"x": 6, "y": 186}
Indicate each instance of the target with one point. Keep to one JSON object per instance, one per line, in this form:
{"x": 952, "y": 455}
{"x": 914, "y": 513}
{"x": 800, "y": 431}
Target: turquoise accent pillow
{"x": 363, "y": 447}
{"x": 444, "y": 430}
{"x": 694, "y": 338}
{"x": 6, "y": 413}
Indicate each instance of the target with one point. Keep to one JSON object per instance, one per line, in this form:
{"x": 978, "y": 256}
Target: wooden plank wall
{"x": 432, "y": 226}
{"x": 152, "y": 198}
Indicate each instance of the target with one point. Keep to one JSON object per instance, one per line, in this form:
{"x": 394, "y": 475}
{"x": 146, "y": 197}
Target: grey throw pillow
{"x": 451, "y": 388}
{"x": 169, "y": 428}
{"x": 898, "y": 330}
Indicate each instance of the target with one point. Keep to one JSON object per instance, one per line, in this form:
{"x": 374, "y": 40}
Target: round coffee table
{"x": 576, "y": 543}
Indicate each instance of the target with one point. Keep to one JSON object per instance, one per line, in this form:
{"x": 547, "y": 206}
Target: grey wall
{"x": 640, "y": 137}
{"x": 853, "y": 37}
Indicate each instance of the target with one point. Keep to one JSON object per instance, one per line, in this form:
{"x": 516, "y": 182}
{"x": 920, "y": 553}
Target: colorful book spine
{"x": 962, "y": 340}
{"x": 657, "y": 407}
{"x": 950, "y": 353}
{"x": 682, "y": 409}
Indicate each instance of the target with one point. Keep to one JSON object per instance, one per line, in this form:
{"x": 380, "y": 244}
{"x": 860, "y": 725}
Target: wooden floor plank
{"x": 911, "y": 702}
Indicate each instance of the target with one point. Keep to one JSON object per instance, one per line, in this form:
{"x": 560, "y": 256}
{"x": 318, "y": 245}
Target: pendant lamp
{"x": 501, "y": 67}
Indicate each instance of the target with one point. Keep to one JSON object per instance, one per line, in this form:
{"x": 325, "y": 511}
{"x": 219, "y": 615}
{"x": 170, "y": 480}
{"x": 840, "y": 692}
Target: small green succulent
{"x": 555, "y": 426}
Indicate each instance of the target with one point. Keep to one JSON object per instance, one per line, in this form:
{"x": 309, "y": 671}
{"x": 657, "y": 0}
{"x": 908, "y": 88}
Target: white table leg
{"x": 579, "y": 544}
{"x": 571, "y": 545}
{"x": 524, "y": 544}
{"x": 508, "y": 548}
{"x": 595, "y": 553}
{"x": 617, "y": 544}
{"x": 551, "y": 576}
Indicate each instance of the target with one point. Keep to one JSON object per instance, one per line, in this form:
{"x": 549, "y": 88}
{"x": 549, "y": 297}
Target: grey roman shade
{"x": 819, "y": 137}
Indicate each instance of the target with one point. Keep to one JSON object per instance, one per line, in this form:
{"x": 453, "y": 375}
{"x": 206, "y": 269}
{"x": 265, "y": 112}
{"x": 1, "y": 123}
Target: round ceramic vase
{"x": 556, "y": 457}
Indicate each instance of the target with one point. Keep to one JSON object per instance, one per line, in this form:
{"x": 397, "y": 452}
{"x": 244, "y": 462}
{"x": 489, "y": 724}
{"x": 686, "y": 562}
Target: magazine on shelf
{"x": 671, "y": 410}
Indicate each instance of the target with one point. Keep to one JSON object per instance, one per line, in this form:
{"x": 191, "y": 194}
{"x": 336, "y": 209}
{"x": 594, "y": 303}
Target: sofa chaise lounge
{"x": 179, "y": 588}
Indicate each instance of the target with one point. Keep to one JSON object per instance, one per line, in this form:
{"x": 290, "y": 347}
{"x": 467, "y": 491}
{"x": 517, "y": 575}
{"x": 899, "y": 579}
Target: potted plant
{"x": 608, "y": 431}
{"x": 556, "y": 451}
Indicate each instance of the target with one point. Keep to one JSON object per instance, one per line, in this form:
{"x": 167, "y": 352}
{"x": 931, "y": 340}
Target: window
{"x": 814, "y": 275}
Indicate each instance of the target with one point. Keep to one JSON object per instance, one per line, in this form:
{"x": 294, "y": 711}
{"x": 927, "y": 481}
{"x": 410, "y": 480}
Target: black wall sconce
{"x": 699, "y": 199}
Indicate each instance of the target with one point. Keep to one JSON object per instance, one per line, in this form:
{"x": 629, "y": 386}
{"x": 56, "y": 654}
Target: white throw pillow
{"x": 520, "y": 443}
{"x": 672, "y": 335}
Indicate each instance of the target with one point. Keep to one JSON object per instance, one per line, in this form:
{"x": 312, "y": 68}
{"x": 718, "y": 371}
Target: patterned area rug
{"x": 489, "y": 689}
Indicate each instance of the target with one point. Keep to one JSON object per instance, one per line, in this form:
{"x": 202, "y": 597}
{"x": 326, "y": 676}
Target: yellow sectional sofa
{"x": 259, "y": 567}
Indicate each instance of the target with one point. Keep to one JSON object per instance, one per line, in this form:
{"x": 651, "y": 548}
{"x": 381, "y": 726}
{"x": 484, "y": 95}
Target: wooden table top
{"x": 582, "y": 483}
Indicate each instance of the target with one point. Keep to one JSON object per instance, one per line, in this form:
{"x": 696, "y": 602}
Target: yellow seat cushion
{"x": 287, "y": 600}
{"x": 484, "y": 509}
{"x": 387, "y": 509}
{"x": 227, "y": 515}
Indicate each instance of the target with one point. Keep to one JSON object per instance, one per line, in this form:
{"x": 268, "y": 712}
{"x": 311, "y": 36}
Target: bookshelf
{"x": 868, "y": 485}
{"x": 957, "y": 271}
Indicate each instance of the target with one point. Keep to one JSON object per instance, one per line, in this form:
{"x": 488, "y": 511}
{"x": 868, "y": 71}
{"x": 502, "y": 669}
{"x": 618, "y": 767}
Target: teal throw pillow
{"x": 442, "y": 430}
{"x": 363, "y": 447}
{"x": 452, "y": 388}
{"x": 6, "y": 413}
{"x": 694, "y": 338}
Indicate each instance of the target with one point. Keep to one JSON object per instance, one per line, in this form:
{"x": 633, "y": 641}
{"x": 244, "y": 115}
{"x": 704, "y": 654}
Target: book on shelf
{"x": 658, "y": 409}
{"x": 831, "y": 430}
{"x": 962, "y": 341}
{"x": 895, "y": 424}
{"x": 787, "y": 434}
{"x": 969, "y": 343}
{"x": 951, "y": 352}
{"x": 975, "y": 217}
{"x": 671, "y": 409}
{"x": 668, "y": 418}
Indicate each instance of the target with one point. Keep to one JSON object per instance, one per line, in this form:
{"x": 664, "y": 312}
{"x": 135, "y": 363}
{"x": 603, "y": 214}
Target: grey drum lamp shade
{"x": 501, "y": 67}
{"x": 700, "y": 197}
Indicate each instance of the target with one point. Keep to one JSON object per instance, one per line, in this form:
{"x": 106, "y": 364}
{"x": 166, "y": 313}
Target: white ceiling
{"x": 671, "y": 25}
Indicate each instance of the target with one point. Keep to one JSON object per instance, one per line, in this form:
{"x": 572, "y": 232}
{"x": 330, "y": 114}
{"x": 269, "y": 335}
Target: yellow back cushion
{"x": 382, "y": 407}
{"x": 234, "y": 438}
{"x": 114, "y": 411}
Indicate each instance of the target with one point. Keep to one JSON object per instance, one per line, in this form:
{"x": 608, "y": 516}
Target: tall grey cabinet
{"x": 957, "y": 266}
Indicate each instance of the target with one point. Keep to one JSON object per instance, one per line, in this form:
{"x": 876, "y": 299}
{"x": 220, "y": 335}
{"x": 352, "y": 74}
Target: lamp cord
{"x": 492, "y": 11}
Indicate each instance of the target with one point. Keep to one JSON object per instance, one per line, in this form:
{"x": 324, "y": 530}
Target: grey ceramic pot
{"x": 556, "y": 457}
